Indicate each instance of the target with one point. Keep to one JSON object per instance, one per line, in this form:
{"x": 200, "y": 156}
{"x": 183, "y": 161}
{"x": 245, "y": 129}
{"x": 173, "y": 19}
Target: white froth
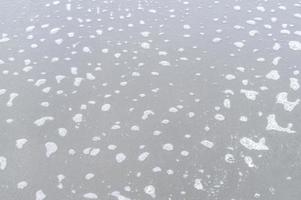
{"x": 227, "y": 103}
{"x": 229, "y": 158}
{"x": 294, "y": 84}
{"x": 147, "y": 113}
{"x": 168, "y": 147}
{"x": 119, "y": 196}
{"x": 21, "y": 142}
{"x": 249, "y": 161}
{"x": 219, "y": 117}
{"x": 3, "y": 162}
{"x": 12, "y": 96}
{"x": 42, "y": 120}
{"x": 276, "y": 46}
{"x": 62, "y": 132}
{"x": 295, "y": 45}
{"x": 77, "y": 81}
{"x": 89, "y": 176}
{"x": 143, "y": 156}
{"x": 276, "y": 60}
{"x": 120, "y": 157}
{"x": 164, "y": 63}
{"x": 145, "y": 45}
{"x": 150, "y": 190}
{"x": 40, "y": 195}
{"x": 86, "y": 50}
{"x": 22, "y": 184}
{"x": 250, "y": 94}
{"x": 207, "y": 143}
{"x": 198, "y": 184}
{"x": 106, "y": 107}
{"x": 273, "y": 75}
{"x": 77, "y": 118}
{"x": 239, "y": 44}
{"x": 251, "y": 145}
{"x": 145, "y": 33}
{"x": 272, "y": 125}
{"x": 54, "y": 30}
{"x": 90, "y": 195}
{"x": 51, "y": 148}
{"x": 281, "y": 98}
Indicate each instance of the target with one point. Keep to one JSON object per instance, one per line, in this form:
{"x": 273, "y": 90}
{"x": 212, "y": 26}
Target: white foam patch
{"x": 207, "y": 143}
{"x": 62, "y": 132}
{"x": 143, "y": 156}
{"x": 253, "y": 32}
{"x": 150, "y": 190}
{"x": 273, "y": 75}
{"x": 54, "y": 30}
{"x": 145, "y": 33}
{"x": 91, "y": 151}
{"x": 3, "y": 162}
{"x": 51, "y": 148}
{"x": 42, "y": 120}
{"x": 22, "y": 184}
{"x": 230, "y": 77}
{"x": 146, "y": 114}
{"x": 5, "y": 39}
{"x": 216, "y": 40}
{"x": 249, "y": 161}
{"x": 198, "y": 184}
{"x": 40, "y": 82}
{"x": 29, "y": 28}
{"x": 250, "y": 94}
{"x": 40, "y": 195}
{"x": 2, "y": 91}
{"x": 106, "y": 107}
{"x": 68, "y": 6}
{"x": 276, "y": 61}
{"x": 297, "y": 33}
{"x": 272, "y": 125}
{"x": 252, "y": 145}
{"x": 86, "y": 50}
{"x": 12, "y": 96}
{"x": 276, "y": 46}
{"x": 219, "y": 117}
{"x": 186, "y": 26}
{"x": 135, "y": 128}
{"x": 236, "y": 7}
{"x": 89, "y": 176}
{"x": 294, "y": 84}
{"x": 173, "y": 110}
{"x": 229, "y": 158}
{"x": 120, "y": 157}
{"x": 298, "y": 15}
{"x": 239, "y": 44}
{"x": 145, "y": 45}
{"x": 164, "y": 63}
{"x": 77, "y": 118}
{"x": 21, "y": 142}
{"x": 77, "y": 81}
{"x": 90, "y": 195}
{"x": 281, "y": 98}
{"x": 119, "y": 196}
{"x": 295, "y": 45}
{"x": 90, "y": 76}
{"x": 168, "y": 147}
{"x": 59, "y": 41}
{"x": 60, "y": 178}
{"x": 227, "y": 103}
